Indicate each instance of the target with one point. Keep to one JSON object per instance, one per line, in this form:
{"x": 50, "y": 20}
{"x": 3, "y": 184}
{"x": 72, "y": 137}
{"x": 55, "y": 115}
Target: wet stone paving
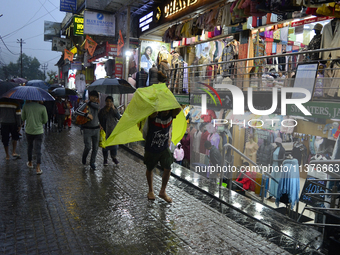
{"x": 71, "y": 209}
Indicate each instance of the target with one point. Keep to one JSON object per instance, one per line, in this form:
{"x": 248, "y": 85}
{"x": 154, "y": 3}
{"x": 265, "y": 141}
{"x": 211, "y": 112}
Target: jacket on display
{"x": 289, "y": 182}
{"x": 264, "y": 155}
{"x": 141, "y": 79}
{"x": 153, "y": 76}
{"x": 330, "y": 40}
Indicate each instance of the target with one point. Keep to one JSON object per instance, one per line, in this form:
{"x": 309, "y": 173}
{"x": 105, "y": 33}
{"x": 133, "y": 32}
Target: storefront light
{"x": 128, "y": 53}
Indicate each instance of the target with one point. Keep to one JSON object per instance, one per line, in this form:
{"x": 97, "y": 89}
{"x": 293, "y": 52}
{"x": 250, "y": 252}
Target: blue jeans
{"x": 91, "y": 139}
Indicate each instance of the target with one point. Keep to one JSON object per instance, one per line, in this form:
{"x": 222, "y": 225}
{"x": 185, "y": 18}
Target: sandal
{"x": 40, "y": 172}
{"x": 30, "y": 167}
{"x": 16, "y": 155}
{"x": 151, "y": 196}
{"x": 166, "y": 198}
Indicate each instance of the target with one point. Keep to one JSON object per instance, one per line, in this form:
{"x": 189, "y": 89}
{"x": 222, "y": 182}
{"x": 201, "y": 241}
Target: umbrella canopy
{"x": 145, "y": 102}
{"x": 28, "y": 93}
{"x": 111, "y": 86}
{"x": 62, "y": 92}
{"x": 19, "y": 80}
{"x": 38, "y": 83}
{"x": 6, "y": 86}
{"x": 54, "y": 86}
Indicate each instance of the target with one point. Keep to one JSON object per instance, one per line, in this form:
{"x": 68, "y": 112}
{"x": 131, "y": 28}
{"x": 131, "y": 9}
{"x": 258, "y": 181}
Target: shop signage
{"x": 175, "y": 6}
{"x": 60, "y": 44}
{"x": 183, "y": 99}
{"x": 145, "y": 21}
{"x": 78, "y": 25}
{"x": 51, "y": 29}
{"x": 167, "y": 11}
{"x": 119, "y": 68}
{"x": 96, "y": 23}
{"x": 68, "y": 6}
{"x": 111, "y": 50}
{"x": 318, "y": 110}
{"x": 308, "y": 21}
{"x": 313, "y": 185}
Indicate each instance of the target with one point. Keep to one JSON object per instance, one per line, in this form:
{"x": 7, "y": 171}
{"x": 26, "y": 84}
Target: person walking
{"x": 91, "y": 129}
{"x": 10, "y": 119}
{"x": 68, "y": 120}
{"x": 60, "y": 111}
{"x": 108, "y": 119}
{"x": 35, "y": 116}
{"x": 157, "y": 149}
{"x": 179, "y": 154}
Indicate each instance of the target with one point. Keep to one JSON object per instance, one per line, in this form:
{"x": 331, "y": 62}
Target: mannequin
{"x": 278, "y": 157}
{"x": 315, "y": 43}
{"x": 250, "y": 149}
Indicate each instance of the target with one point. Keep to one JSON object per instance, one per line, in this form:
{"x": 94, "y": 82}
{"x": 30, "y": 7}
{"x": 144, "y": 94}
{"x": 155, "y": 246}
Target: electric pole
{"x": 44, "y": 67}
{"x": 21, "y": 42}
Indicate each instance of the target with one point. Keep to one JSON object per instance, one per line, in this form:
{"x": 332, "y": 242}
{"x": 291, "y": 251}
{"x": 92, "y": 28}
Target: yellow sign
{"x": 176, "y": 6}
{"x": 78, "y": 25}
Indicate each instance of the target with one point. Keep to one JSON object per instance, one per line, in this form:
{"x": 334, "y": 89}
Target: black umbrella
{"x": 62, "y": 92}
{"x": 6, "y": 86}
{"x": 54, "y": 86}
{"x": 28, "y": 93}
{"x": 112, "y": 86}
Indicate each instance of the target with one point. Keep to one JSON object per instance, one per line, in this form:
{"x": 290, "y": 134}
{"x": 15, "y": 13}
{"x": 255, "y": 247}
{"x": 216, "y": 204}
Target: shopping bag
{"x": 102, "y": 139}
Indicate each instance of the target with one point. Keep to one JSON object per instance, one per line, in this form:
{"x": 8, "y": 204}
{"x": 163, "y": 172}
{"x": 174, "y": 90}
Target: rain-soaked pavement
{"x": 70, "y": 209}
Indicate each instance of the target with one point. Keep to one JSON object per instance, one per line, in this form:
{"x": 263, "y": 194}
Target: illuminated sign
{"x": 176, "y": 6}
{"x": 145, "y": 20}
{"x": 78, "y": 25}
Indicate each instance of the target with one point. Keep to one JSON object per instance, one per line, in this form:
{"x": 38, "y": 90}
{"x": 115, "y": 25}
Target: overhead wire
{"x": 7, "y": 47}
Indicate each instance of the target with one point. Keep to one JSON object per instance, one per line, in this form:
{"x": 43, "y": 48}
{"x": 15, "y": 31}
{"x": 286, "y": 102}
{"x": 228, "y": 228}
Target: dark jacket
{"x": 153, "y": 75}
{"x": 141, "y": 79}
{"x": 282, "y": 153}
{"x": 264, "y": 155}
{"x": 215, "y": 156}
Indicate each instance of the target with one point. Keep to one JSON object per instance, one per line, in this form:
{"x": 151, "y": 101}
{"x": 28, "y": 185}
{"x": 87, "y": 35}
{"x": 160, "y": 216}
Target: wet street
{"x": 70, "y": 209}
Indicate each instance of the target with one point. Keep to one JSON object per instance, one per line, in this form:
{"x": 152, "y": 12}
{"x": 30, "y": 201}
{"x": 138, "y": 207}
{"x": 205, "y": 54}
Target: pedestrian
{"x": 157, "y": 149}
{"x": 91, "y": 129}
{"x": 10, "y": 119}
{"x": 60, "y": 112}
{"x": 68, "y": 120}
{"x": 108, "y": 119}
{"x": 179, "y": 154}
{"x": 50, "y": 107}
{"x": 35, "y": 115}
{"x": 215, "y": 156}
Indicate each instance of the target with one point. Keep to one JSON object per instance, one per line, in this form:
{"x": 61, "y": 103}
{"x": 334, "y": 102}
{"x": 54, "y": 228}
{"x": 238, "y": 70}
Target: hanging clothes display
{"x": 278, "y": 157}
{"x": 289, "y": 182}
{"x": 331, "y": 39}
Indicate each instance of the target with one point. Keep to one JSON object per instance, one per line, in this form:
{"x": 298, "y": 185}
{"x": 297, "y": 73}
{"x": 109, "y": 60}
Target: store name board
{"x": 318, "y": 110}
{"x": 78, "y": 25}
{"x": 308, "y": 21}
{"x": 145, "y": 20}
{"x": 176, "y": 6}
{"x": 111, "y": 50}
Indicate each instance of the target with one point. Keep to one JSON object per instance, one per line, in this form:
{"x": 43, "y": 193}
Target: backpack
{"x": 81, "y": 120}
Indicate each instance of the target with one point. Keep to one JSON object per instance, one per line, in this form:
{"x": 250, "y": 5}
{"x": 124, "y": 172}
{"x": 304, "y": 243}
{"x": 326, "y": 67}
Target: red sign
{"x": 308, "y": 21}
{"x": 119, "y": 68}
{"x": 111, "y": 50}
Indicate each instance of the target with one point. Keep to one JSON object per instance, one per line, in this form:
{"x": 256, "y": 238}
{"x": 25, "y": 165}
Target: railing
{"x": 229, "y": 177}
{"x": 243, "y": 74}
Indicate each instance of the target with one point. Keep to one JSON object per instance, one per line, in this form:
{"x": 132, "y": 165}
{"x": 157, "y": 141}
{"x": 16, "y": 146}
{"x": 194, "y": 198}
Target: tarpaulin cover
{"x": 145, "y": 102}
